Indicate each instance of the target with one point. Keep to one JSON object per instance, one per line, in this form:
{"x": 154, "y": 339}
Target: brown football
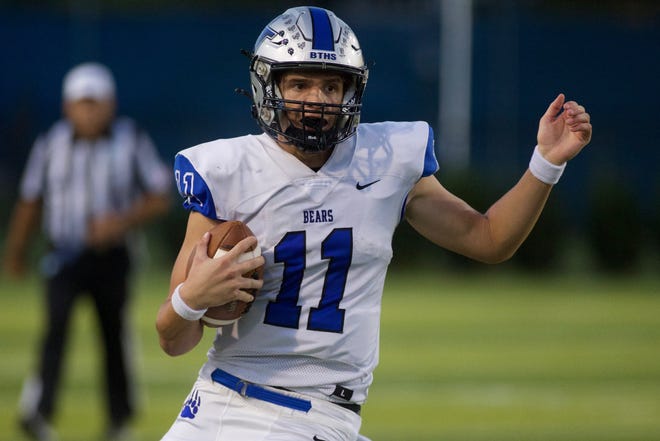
{"x": 224, "y": 237}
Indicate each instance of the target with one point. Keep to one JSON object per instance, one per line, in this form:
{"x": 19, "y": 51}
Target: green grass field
{"x": 471, "y": 356}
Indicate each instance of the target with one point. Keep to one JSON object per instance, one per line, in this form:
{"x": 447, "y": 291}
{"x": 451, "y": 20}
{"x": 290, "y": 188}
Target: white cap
{"x": 88, "y": 80}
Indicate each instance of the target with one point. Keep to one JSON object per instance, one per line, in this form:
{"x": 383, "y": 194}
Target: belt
{"x": 350, "y": 406}
{"x": 251, "y": 390}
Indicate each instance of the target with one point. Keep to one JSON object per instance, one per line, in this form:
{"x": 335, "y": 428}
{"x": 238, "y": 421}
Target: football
{"x": 223, "y": 238}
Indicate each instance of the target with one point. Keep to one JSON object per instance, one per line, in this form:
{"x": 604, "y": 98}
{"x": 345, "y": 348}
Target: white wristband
{"x": 544, "y": 170}
{"x": 184, "y": 310}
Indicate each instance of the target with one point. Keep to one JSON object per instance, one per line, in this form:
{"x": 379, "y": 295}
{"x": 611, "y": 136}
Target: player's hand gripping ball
{"x": 224, "y": 237}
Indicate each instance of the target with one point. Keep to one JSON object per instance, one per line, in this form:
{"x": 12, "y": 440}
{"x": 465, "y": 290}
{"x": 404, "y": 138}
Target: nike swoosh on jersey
{"x": 362, "y": 187}
{"x": 316, "y": 438}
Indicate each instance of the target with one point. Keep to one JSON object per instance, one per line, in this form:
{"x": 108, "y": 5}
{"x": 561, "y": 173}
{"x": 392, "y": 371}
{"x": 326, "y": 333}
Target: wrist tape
{"x": 184, "y": 310}
{"x": 544, "y": 170}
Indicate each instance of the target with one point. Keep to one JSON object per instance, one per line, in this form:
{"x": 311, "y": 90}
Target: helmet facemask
{"x": 312, "y": 136}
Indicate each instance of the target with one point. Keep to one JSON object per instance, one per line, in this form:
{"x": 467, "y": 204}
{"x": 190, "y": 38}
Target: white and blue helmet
{"x": 307, "y": 38}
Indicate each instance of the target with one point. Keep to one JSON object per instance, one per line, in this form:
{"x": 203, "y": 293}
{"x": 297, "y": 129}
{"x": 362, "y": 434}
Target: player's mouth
{"x": 313, "y": 123}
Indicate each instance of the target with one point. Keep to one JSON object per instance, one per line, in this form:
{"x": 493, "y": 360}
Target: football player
{"x": 323, "y": 195}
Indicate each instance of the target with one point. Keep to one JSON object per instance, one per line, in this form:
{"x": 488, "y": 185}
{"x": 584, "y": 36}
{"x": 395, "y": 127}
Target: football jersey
{"x": 326, "y": 237}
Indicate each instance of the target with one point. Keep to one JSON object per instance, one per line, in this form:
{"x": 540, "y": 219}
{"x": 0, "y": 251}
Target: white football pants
{"x": 213, "y": 412}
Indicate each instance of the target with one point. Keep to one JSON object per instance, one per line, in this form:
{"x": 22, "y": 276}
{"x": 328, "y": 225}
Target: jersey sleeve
{"x": 193, "y": 188}
{"x": 430, "y": 161}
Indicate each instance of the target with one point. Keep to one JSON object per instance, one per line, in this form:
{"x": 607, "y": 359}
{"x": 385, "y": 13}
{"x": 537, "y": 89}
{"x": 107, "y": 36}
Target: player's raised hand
{"x": 564, "y": 130}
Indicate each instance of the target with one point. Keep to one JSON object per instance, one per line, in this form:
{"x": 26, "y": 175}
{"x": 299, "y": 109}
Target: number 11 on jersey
{"x": 337, "y": 249}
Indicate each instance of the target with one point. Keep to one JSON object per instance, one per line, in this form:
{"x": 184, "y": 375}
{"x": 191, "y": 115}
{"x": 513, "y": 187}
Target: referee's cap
{"x": 88, "y": 80}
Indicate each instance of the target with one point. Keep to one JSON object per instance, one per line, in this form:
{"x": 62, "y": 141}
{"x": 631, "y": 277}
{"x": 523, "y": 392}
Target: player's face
{"x": 90, "y": 118}
{"x": 312, "y": 87}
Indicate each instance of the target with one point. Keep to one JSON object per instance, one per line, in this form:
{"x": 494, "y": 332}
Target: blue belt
{"x": 251, "y": 390}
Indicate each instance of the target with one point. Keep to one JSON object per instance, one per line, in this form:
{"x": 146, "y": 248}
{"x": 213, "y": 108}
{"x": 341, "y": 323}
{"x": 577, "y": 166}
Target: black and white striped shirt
{"x": 80, "y": 179}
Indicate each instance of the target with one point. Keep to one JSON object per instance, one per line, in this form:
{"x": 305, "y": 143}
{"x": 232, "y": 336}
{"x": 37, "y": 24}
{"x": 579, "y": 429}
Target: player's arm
{"x": 492, "y": 237}
{"x": 209, "y": 282}
{"x": 495, "y": 235}
{"x": 23, "y": 223}
{"x": 178, "y": 336}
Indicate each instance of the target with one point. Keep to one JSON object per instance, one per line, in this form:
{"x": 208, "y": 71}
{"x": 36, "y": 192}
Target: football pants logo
{"x": 191, "y": 406}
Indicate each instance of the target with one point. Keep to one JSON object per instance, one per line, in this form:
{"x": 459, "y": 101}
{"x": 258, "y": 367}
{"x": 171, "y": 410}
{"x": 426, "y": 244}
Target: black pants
{"x": 103, "y": 276}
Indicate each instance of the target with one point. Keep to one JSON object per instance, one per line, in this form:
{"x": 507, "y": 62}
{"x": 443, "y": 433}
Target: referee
{"x": 92, "y": 178}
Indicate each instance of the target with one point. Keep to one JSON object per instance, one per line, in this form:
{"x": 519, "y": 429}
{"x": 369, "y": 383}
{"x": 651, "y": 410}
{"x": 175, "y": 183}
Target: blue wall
{"x": 177, "y": 71}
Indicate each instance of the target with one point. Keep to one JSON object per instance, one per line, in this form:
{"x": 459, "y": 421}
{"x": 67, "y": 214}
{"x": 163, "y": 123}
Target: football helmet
{"x": 307, "y": 38}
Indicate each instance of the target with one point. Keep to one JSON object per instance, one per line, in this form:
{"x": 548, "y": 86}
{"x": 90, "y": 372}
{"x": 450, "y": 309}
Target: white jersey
{"x": 326, "y": 237}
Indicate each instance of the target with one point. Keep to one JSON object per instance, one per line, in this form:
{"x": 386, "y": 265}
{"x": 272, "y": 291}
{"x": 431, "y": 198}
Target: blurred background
{"x": 483, "y": 83}
{"x": 482, "y": 72}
